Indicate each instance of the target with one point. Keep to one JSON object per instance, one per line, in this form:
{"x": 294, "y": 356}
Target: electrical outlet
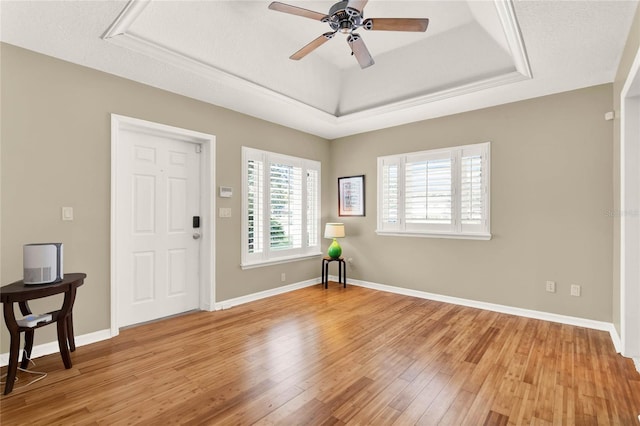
{"x": 283, "y": 277}
{"x": 551, "y": 286}
{"x": 575, "y": 290}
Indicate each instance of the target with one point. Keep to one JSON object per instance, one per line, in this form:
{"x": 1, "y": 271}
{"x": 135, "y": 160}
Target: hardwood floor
{"x": 337, "y": 356}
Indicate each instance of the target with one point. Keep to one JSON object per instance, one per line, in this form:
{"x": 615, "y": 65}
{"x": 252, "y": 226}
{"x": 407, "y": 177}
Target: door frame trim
{"x": 207, "y": 285}
{"x": 629, "y": 207}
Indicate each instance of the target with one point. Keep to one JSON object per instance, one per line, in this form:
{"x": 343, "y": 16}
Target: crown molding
{"x": 507, "y": 16}
{"x": 283, "y": 109}
{"x": 127, "y": 17}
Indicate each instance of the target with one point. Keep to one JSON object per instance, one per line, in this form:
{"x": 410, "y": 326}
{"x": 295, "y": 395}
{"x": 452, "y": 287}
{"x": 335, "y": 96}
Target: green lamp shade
{"x": 335, "y": 250}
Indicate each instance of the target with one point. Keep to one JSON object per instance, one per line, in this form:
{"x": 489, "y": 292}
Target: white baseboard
{"x": 86, "y": 339}
{"x": 528, "y": 313}
{"x": 52, "y": 347}
{"x": 226, "y": 304}
{"x": 615, "y": 338}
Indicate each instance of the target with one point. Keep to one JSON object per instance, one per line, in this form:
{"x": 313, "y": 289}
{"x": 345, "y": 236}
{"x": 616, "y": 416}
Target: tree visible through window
{"x": 281, "y": 207}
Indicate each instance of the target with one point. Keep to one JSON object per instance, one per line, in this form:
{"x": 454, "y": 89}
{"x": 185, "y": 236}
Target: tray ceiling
{"x": 235, "y": 54}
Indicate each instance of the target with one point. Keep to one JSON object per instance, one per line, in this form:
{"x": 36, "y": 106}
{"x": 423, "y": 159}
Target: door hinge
{"x": 198, "y": 148}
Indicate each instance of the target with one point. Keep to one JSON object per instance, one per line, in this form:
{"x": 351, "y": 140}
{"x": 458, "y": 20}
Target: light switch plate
{"x": 226, "y": 192}
{"x": 67, "y": 213}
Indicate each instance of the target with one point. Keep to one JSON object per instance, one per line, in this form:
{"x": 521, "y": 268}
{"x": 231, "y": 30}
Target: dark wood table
{"x": 21, "y": 293}
{"x": 342, "y": 270}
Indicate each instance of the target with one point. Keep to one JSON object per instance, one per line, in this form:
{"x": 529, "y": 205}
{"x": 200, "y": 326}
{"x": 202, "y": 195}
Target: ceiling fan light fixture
{"x": 345, "y": 27}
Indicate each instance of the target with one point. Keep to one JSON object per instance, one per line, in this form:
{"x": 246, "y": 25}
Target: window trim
{"x": 268, "y": 257}
{"x": 457, "y": 228}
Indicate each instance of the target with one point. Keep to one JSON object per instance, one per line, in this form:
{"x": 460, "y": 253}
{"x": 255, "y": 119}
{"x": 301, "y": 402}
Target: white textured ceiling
{"x": 235, "y": 54}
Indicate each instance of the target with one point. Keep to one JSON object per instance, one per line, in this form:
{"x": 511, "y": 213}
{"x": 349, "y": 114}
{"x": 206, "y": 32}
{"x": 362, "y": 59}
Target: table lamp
{"x": 334, "y": 230}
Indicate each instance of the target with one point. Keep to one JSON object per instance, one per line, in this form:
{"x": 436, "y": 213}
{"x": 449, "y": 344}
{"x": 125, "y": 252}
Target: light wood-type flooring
{"x": 337, "y": 356}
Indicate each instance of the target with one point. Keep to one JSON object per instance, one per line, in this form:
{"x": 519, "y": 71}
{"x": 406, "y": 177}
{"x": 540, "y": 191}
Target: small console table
{"x": 342, "y": 270}
{"x": 21, "y": 293}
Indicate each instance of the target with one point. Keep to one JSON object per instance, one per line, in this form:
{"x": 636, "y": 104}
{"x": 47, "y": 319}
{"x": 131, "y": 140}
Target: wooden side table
{"x": 21, "y": 293}
{"x": 342, "y": 270}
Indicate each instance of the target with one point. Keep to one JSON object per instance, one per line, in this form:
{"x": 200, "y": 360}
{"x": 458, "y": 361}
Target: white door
{"x": 158, "y": 196}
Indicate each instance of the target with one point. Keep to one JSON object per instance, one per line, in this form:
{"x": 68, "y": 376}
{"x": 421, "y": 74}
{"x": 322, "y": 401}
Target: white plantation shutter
{"x": 281, "y": 207}
{"x": 313, "y": 208}
{"x": 474, "y": 190}
{"x": 285, "y": 194}
{"x": 471, "y": 190}
{"x": 255, "y": 201}
{"x": 442, "y": 192}
{"x": 428, "y": 192}
{"x": 389, "y": 184}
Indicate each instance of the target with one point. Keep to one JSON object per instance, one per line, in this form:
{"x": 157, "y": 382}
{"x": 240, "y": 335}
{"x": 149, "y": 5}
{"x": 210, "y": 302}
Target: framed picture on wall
{"x": 351, "y": 196}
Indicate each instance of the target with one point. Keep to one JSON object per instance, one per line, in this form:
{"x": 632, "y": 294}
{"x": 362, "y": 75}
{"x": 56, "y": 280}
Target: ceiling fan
{"x": 347, "y": 16}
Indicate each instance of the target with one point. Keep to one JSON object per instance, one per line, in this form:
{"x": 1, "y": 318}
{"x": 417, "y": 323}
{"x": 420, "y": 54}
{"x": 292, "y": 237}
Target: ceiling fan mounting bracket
{"x": 342, "y": 18}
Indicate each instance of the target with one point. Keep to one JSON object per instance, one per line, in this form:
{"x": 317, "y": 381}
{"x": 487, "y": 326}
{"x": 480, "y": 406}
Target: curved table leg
{"x": 70, "y": 336}
{"x": 28, "y": 335}
{"x": 62, "y": 344}
{"x": 63, "y": 318}
{"x": 12, "y": 325}
{"x": 28, "y": 347}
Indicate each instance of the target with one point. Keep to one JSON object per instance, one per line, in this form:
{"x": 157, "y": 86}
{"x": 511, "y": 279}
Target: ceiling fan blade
{"x": 360, "y": 50}
{"x": 396, "y": 24}
{"x": 294, "y": 10}
{"x": 357, "y": 4}
{"x": 317, "y": 42}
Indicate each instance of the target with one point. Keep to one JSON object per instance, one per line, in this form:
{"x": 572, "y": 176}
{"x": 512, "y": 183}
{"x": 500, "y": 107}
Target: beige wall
{"x": 56, "y": 152}
{"x": 551, "y": 180}
{"x": 628, "y": 55}
{"x": 551, "y": 190}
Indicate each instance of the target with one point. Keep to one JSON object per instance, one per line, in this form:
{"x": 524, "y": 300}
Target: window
{"x": 281, "y": 207}
{"x": 437, "y": 193}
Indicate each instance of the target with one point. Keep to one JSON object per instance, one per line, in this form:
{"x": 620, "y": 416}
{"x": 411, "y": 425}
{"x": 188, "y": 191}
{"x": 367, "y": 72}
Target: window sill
{"x": 278, "y": 261}
{"x": 484, "y": 237}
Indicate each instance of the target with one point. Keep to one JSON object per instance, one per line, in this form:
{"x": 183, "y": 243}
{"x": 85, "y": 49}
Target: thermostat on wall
{"x": 226, "y": 192}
